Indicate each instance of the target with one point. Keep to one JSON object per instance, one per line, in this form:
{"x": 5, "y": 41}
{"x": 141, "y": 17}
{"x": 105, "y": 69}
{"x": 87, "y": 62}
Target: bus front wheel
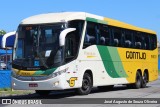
{"x": 86, "y": 85}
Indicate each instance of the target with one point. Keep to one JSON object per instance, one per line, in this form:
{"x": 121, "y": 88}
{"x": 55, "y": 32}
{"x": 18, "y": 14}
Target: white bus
{"x": 77, "y": 50}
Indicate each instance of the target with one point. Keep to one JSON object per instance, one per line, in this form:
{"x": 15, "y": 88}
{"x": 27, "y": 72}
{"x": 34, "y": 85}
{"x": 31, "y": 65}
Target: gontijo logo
{"x": 135, "y": 55}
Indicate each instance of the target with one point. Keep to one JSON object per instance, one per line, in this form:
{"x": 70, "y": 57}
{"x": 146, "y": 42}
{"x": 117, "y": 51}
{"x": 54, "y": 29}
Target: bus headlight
{"x": 59, "y": 72}
{"x": 13, "y": 74}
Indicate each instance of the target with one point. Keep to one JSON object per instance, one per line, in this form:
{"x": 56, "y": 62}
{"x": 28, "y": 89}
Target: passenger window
{"x": 153, "y": 42}
{"x": 117, "y": 35}
{"x": 138, "y": 41}
{"x": 128, "y": 39}
{"x": 91, "y": 34}
{"x": 104, "y": 38}
{"x": 146, "y": 42}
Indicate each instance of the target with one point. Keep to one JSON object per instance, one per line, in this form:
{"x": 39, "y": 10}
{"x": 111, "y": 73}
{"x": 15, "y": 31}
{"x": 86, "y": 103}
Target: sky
{"x": 141, "y": 13}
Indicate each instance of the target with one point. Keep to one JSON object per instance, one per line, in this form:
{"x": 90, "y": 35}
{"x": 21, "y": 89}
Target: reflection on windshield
{"x": 39, "y": 45}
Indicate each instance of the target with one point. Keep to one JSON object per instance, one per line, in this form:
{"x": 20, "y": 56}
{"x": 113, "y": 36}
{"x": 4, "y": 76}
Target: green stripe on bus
{"x": 39, "y": 72}
{"x": 46, "y": 72}
{"x": 112, "y": 61}
{"x": 116, "y": 58}
{"x": 107, "y": 61}
{"x": 96, "y": 20}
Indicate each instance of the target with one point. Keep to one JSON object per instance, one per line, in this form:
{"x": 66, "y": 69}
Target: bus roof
{"x": 67, "y": 16}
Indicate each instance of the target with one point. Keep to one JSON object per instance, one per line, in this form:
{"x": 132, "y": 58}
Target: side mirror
{"x": 63, "y": 35}
{"x": 5, "y": 38}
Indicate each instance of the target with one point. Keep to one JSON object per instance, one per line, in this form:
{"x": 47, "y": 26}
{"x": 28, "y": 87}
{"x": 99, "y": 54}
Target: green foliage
{"x": 9, "y": 92}
{"x": 2, "y": 32}
{"x": 5, "y": 89}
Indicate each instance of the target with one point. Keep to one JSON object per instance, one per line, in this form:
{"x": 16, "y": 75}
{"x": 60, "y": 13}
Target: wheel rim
{"x": 85, "y": 85}
{"x": 145, "y": 79}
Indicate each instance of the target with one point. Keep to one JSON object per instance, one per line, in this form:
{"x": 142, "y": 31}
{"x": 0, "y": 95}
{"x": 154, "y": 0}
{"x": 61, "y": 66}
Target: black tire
{"x": 144, "y": 80}
{"x": 86, "y": 85}
{"x": 138, "y": 81}
{"x": 42, "y": 92}
{"x": 105, "y": 88}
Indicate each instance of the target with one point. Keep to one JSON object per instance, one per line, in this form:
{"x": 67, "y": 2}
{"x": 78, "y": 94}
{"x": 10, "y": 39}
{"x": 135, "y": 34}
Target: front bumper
{"x": 56, "y": 83}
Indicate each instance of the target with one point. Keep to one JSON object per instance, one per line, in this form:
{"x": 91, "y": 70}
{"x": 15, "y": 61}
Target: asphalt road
{"x": 61, "y": 97}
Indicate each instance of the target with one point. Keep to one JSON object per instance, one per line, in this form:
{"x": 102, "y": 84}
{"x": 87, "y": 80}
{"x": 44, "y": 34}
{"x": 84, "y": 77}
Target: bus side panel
{"x": 101, "y": 62}
{"x": 134, "y": 59}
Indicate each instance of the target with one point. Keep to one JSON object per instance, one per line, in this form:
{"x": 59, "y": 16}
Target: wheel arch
{"x": 140, "y": 71}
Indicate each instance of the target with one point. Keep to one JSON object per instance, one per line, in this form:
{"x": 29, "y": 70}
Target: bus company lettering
{"x": 135, "y": 55}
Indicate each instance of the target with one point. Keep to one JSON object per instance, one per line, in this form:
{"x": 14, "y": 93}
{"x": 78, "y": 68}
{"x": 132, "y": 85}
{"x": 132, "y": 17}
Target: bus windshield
{"x": 38, "y": 45}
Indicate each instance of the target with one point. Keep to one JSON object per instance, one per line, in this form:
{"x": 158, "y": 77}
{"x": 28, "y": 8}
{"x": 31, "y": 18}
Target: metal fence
{"x": 159, "y": 63}
{"x": 5, "y": 78}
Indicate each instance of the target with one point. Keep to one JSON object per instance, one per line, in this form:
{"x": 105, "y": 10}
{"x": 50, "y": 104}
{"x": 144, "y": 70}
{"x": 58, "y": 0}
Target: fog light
{"x": 13, "y": 84}
{"x": 56, "y": 83}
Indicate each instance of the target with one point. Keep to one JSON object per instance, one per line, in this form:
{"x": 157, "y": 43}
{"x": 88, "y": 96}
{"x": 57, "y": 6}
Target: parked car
{"x": 9, "y": 65}
{"x": 2, "y": 65}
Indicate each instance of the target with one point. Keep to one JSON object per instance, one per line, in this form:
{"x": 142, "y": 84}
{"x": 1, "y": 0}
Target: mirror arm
{"x": 63, "y": 35}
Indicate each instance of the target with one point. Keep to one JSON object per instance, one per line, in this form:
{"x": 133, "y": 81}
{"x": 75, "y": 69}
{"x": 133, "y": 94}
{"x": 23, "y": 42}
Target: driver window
{"x": 70, "y": 47}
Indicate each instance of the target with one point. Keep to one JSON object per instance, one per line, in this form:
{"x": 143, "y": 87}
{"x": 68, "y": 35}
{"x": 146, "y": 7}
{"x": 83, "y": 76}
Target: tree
{"x": 2, "y": 32}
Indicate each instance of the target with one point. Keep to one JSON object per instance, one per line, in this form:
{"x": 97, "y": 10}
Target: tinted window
{"x": 128, "y": 42}
{"x": 153, "y": 42}
{"x": 146, "y": 42}
{"x": 19, "y": 50}
{"x": 73, "y": 40}
{"x": 70, "y": 47}
{"x": 104, "y": 35}
{"x": 117, "y": 36}
{"x": 91, "y": 35}
{"x": 138, "y": 40}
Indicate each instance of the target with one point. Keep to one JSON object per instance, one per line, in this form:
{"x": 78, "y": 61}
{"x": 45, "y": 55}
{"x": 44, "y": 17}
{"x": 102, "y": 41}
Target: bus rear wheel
{"x": 144, "y": 80}
{"x": 86, "y": 85}
{"x": 138, "y": 81}
{"x": 42, "y": 92}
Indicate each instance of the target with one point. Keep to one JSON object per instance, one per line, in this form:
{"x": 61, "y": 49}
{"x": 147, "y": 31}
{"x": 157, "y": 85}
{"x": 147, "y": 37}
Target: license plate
{"x": 33, "y": 85}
